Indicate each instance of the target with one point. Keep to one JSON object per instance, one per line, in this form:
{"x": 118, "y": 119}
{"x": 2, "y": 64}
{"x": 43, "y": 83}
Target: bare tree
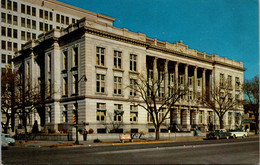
{"x": 112, "y": 125}
{"x": 155, "y": 100}
{"x": 220, "y": 99}
{"x": 251, "y": 104}
{"x": 10, "y": 96}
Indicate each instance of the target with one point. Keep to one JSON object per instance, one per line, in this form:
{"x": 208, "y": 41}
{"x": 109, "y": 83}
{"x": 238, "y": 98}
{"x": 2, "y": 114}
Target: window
{"x": 3, "y": 17}
{"x": 199, "y": 82}
{"x": 46, "y": 16}
{"x": 22, "y": 8}
{"x": 101, "y": 111}
{"x": 51, "y": 17}
{"x": 237, "y": 83}
{"x": 9, "y": 18}
{"x": 15, "y": 46}
{"x": 75, "y": 84}
{"x": 237, "y": 118}
{"x": 3, "y": 3}
{"x": 49, "y": 88}
{"x": 62, "y": 19}
{"x": 50, "y": 27}
{"x": 65, "y": 60}
{"x": 181, "y": 79}
{"x": 58, "y": 18}
{"x": 133, "y": 113}
{"x": 117, "y": 59}
{"x": 41, "y": 13}
{"x": 118, "y": 112}
{"x": 161, "y": 114}
{"x": 230, "y": 81}
{"x": 3, "y": 58}
{"x": 210, "y": 117}
{"x": 73, "y": 20}
{"x": 46, "y": 27}
{"x": 28, "y": 36}
{"x": 190, "y": 95}
{"x": 199, "y": 95}
{"x": 75, "y": 56}
{"x": 33, "y": 24}
{"x": 3, "y": 45}
{"x": 33, "y": 36}
{"x": 15, "y": 33}
{"x": 41, "y": 26}
{"x": 65, "y": 86}
{"x": 100, "y": 84}
{"x": 190, "y": 81}
{"x": 161, "y": 92}
{"x": 28, "y": 23}
{"x": 133, "y": 87}
{"x": 65, "y": 113}
{"x": 67, "y": 21}
{"x": 14, "y": 6}
{"x": 221, "y": 80}
{"x": 28, "y": 11}
{"x": 9, "y": 32}
{"x": 49, "y": 62}
{"x": 237, "y": 96}
{"x": 15, "y": 20}
{"x": 33, "y": 11}
{"x": 9, "y": 5}
{"x": 9, "y": 59}
{"x": 201, "y": 116}
{"x": 229, "y": 118}
{"x": 23, "y": 22}
{"x": 3, "y": 31}
{"x": 117, "y": 85}
{"x": 49, "y": 114}
{"x": 100, "y": 56}
{"x": 133, "y": 59}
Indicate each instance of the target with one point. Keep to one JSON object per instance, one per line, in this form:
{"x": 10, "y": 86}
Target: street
{"x": 234, "y": 151}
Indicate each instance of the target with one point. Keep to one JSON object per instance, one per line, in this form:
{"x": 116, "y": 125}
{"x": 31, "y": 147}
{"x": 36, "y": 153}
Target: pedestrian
{"x": 85, "y": 132}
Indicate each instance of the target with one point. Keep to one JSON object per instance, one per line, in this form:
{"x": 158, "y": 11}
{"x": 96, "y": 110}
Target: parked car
{"x": 238, "y": 133}
{"x": 4, "y": 143}
{"x": 218, "y": 134}
{"x": 9, "y": 140}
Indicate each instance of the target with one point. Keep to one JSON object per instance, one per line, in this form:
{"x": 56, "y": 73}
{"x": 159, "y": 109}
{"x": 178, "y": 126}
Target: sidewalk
{"x": 55, "y": 144}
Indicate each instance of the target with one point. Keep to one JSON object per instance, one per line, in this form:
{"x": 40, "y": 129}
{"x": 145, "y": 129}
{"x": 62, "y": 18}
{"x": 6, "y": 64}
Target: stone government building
{"x": 111, "y": 59}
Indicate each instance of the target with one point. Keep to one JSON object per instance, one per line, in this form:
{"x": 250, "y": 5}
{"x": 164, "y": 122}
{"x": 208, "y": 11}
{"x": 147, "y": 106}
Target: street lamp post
{"x": 84, "y": 78}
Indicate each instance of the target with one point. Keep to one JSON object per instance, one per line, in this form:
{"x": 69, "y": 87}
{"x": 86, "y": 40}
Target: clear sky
{"x": 228, "y": 28}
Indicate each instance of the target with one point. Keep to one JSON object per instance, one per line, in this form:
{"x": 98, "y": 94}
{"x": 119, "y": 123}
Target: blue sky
{"x": 228, "y": 28}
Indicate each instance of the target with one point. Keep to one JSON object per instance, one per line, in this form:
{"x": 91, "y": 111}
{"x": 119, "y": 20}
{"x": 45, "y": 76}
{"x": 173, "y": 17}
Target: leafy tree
{"x": 220, "y": 99}
{"x": 251, "y": 104}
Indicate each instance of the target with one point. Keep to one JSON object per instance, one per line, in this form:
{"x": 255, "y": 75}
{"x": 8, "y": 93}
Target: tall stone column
{"x": 176, "y": 74}
{"x": 155, "y": 70}
{"x": 186, "y": 79}
{"x": 195, "y": 83}
{"x": 166, "y": 78}
{"x": 203, "y": 82}
{"x": 56, "y": 83}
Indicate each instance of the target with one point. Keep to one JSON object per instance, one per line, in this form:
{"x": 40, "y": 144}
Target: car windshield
{"x": 7, "y": 135}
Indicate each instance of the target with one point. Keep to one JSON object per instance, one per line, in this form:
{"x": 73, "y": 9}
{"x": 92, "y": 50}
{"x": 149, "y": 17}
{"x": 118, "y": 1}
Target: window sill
{"x": 116, "y": 69}
{"x": 101, "y": 67}
{"x": 118, "y": 95}
{"x": 133, "y": 72}
{"x": 98, "y": 93}
{"x": 63, "y": 96}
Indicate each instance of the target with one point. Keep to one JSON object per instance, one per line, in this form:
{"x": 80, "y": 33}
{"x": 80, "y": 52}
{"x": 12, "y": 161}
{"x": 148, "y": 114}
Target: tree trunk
{"x": 157, "y": 133}
{"x": 221, "y": 123}
{"x": 256, "y": 127}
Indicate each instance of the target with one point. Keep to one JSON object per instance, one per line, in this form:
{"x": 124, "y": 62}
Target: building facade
{"x": 112, "y": 59}
{"x": 24, "y": 20}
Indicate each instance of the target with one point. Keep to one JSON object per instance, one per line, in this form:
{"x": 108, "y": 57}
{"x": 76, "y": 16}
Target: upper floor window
{"x": 65, "y": 60}
{"x": 41, "y": 13}
{"x": 62, "y": 19}
{"x": 133, "y": 59}
{"x": 229, "y": 81}
{"x": 65, "y": 113}
{"x": 49, "y": 114}
{"x": 3, "y": 3}
{"x": 100, "y": 83}
{"x": 100, "y": 56}
{"x": 237, "y": 82}
{"x": 3, "y": 17}
{"x": 133, "y": 87}
{"x": 33, "y": 11}
{"x": 46, "y": 14}
{"x": 65, "y": 86}
{"x": 75, "y": 84}
{"x": 15, "y": 20}
{"x": 67, "y": 21}
{"x": 117, "y": 85}
{"x": 75, "y": 56}
{"x": 14, "y": 6}
{"x": 49, "y": 62}
{"x": 22, "y": 8}
{"x": 9, "y": 5}
{"x": 117, "y": 59}
{"x": 58, "y": 18}
{"x": 28, "y": 11}
{"x": 221, "y": 79}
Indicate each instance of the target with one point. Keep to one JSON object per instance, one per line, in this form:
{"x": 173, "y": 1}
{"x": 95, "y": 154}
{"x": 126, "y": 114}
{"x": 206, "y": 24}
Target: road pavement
{"x": 234, "y": 151}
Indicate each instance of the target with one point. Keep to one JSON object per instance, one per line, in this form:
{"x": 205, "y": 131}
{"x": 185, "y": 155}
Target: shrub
{"x": 97, "y": 141}
{"x": 90, "y": 131}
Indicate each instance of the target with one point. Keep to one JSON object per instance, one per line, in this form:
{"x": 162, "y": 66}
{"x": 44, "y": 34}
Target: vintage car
{"x": 4, "y": 142}
{"x": 238, "y": 133}
{"x": 218, "y": 134}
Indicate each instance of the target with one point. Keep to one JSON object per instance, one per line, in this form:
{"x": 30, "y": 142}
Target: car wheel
{"x": 244, "y": 136}
{"x": 218, "y": 137}
{"x": 234, "y": 137}
{"x": 227, "y": 137}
